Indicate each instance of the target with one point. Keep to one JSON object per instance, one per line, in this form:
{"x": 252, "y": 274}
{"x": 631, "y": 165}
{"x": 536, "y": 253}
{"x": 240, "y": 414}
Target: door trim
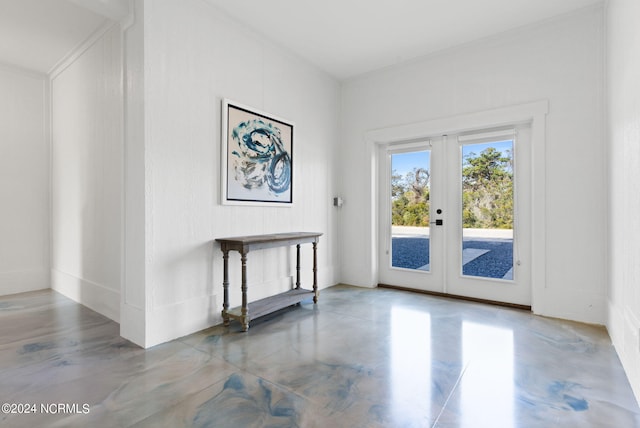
{"x": 432, "y": 279}
{"x": 533, "y": 113}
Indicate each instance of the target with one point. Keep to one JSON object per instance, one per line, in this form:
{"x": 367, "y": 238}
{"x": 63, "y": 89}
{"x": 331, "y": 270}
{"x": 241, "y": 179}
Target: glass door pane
{"x": 488, "y": 209}
{"x": 410, "y": 206}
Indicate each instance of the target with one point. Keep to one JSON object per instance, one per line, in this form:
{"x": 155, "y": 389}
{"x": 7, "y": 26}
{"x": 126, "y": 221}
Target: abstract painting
{"x": 257, "y": 157}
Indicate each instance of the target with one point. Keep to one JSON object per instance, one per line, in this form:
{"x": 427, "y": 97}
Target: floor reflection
{"x": 487, "y": 386}
{"x": 369, "y": 358}
{"x": 410, "y": 364}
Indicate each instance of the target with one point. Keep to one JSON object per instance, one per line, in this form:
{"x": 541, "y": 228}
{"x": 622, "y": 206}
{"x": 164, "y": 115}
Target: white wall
{"x": 133, "y": 302}
{"x": 193, "y": 57}
{"x": 560, "y": 61}
{"x": 24, "y": 182}
{"x": 86, "y": 177}
{"x": 623, "y": 69}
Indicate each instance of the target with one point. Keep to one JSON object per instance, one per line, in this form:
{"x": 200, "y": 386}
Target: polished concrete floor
{"x": 360, "y": 358}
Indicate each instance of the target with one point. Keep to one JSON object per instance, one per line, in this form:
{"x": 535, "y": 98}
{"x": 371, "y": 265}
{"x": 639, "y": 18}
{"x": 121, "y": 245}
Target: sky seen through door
{"x": 405, "y": 162}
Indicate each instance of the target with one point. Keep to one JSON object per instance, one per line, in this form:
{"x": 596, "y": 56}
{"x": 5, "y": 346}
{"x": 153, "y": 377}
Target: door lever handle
{"x": 438, "y": 222}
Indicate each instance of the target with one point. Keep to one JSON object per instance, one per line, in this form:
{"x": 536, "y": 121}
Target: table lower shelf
{"x": 271, "y": 304}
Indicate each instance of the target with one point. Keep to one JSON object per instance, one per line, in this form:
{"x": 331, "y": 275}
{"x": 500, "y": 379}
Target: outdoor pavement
{"x": 486, "y": 253}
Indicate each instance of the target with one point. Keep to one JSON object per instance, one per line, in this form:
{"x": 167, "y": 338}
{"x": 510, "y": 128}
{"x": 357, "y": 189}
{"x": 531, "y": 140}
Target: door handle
{"x": 438, "y": 222}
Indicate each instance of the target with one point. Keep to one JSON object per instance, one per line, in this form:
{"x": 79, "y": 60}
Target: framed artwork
{"x": 257, "y": 157}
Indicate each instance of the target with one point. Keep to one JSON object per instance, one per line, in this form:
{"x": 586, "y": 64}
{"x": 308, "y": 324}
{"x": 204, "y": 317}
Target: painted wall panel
{"x": 623, "y": 134}
{"x": 87, "y": 177}
{"x": 561, "y": 61}
{"x": 24, "y": 182}
{"x": 194, "y": 57}
{"x": 133, "y": 299}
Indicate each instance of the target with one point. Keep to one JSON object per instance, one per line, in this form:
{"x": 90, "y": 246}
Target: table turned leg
{"x": 245, "y": 309}
{"x": 225, "y": 287}
{"x": 298, "y": 266}
{"x": 315, "y": 272}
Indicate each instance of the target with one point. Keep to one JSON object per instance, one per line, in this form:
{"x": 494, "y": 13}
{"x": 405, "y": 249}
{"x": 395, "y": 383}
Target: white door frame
{"x": 433, "y": 279}
{"x": 516, "y": 290}
{"x": 533, "y": 113}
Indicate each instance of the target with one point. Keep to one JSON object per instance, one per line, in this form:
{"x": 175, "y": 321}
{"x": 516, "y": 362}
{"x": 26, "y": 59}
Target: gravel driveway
{"x": 413, "y": 253}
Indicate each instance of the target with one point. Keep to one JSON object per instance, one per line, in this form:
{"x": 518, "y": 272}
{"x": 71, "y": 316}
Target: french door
{"x": 455, "y": 215}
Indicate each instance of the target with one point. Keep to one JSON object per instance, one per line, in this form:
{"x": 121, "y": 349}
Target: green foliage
{"x": 487, "y": 193}
{"x": 410, "y": 198}
{"x": 416, "y": 214}
{"x": 487, "y": 190}
{"x": 397, "y": 187}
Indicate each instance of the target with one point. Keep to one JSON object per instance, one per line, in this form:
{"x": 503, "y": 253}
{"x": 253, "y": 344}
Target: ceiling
{"x": 37, "y": 34}
{"x": 350, "y": 37}
{"x": 343, "y": 37}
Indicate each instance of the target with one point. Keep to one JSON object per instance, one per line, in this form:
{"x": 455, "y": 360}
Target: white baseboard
{"x": 624, "y": 330}
{"x": 570, "y": 304}
{"x": 132, "y": 324}
{"x": 181, "y": 319}
{"x": 172, "y": 321}
{"x": 95, "y": 296}
{"x": 24, "y": 281}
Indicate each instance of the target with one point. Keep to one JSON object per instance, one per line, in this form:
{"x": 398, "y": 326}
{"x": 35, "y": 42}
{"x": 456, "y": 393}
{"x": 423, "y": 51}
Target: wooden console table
{"x": 244, "y": 244}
